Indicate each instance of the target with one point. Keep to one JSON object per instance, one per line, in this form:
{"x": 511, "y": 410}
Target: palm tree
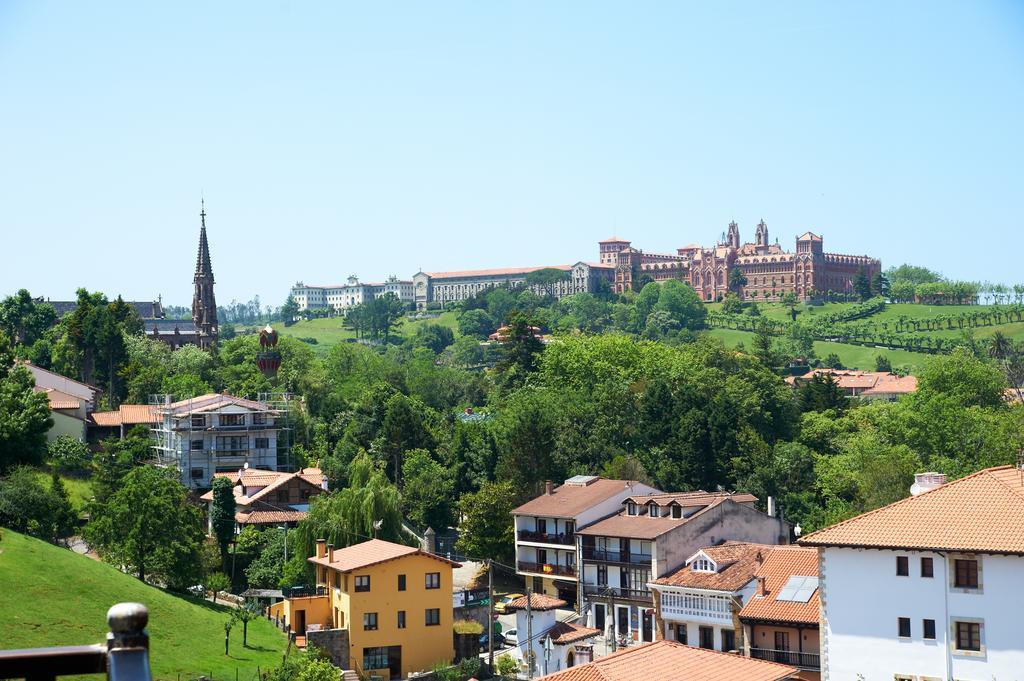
{"x": 999, "y": 346}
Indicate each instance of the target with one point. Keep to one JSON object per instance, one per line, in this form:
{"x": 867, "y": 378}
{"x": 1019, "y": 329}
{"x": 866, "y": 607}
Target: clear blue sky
{"x": 334, "y": 139}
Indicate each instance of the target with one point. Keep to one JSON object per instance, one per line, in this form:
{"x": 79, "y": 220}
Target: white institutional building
{"x": 927, "y": 588}
{"x": 340, "y": 297}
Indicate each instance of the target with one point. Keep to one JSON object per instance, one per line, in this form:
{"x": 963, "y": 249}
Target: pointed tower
{"x": 761, "y": 235}
{"x": 204, "y": 306}
{"x": 733, "y": 239}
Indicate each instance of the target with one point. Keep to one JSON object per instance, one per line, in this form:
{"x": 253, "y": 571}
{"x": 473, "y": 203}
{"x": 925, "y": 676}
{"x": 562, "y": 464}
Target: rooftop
{"x": 538, "y": 602}
{"x": 372, "y": 552}
{"x": 685, "y": 499}
{"x": 671, "y": 661}
{"x": 571, "y": 499}
{"x": 736, "y": 564}
{"x": 564, "y": 633}
{"x": 983, "y": 512}
{"x": 495, "y": 272}
{"x": 126, "y": 414}
{"x": 645, "y": 527}
{"x": 780, "y": 567}
{"x": 212, "y": 402}
{"x": 870, "y": 382}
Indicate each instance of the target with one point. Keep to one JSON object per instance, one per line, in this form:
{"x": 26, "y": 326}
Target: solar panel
{"x": 798, "y": 589}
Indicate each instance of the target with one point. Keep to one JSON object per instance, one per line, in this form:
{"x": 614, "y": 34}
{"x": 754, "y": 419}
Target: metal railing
{"x": 617, "y": 592}
{"x": 616, "y": 556}
{"x": 791, "y": 657}
{"x": 560, "y": 539}
{"x": 547, "y": 569}
{"x": 124, "y": 657}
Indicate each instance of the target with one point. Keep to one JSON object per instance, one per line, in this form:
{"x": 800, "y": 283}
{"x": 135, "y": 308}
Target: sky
{"x": 337, "y": 138}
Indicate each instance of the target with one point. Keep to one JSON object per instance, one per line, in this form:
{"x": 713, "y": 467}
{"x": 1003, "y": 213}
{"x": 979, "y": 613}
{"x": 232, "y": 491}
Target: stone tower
{"x": 761, "y": 235}
{"x": 204, "y": 305}
{"x": 733, "y": 238}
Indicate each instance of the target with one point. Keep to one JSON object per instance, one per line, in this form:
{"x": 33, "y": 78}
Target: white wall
{"x": 863, "y": 597}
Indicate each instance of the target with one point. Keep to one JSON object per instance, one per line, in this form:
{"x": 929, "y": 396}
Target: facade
{"x": 269, "y": 498}
{"x": 671, "y": 661}
{"x": 928, "y": 587}
{"x": 570, "y": 643}
{"x": 341, "y": 297}
{"x": 651, "y": 537}
{"x": 104, "y": 424}
{"x": 780, "y": 619}
{"x": 453, "y": 287}
{"x": 770, "y": 271}
{"x": 546, "y": 551}
{"x": 214, "y": 434}
{"x": 394, "y": 601}
{"x": 867, "y": 385}
{"x": 71, "y": 402}
{"x": 699, "y": 603}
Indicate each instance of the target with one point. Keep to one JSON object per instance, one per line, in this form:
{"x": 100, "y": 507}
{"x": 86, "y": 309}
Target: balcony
{"x": 541, "y": 538}
{"x": 604, "y": 591}
{"x": 616, "y": 556}
{"x": 810, "y": 661}
{"x": 547, "y": 569}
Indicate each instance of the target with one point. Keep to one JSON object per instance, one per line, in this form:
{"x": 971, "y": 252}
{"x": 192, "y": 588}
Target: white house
{"x": 215, "y": 433}
{"x": 929, "y": 587}
{"x": 570, "y": 643}
{"x": 546, "y": 550}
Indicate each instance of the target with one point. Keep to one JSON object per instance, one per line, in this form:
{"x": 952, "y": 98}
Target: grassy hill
{"x": 328, "y": 331}
{"x": 51, "y": 596}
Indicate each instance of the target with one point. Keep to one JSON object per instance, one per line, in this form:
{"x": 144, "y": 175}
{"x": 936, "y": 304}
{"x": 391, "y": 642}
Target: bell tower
{"x": 732, "y": 240}
{"x": 204, "y": 305}
{"x": 761, "y": 235}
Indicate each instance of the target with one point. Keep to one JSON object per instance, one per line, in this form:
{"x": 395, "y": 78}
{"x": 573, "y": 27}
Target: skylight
{"x": 798, "y": 589}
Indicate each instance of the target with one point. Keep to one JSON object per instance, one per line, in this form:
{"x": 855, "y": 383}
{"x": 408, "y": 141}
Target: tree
{"x": 64, "y": 517}
{"x": 821, "y": 393}
{"x": 433, "y": 336}
{"x": 466, "y": 351}
{"x": 23, "y": 319}
{"x": 68, "y": 453}
{"x": 789, "y": 301}
{"x": 861, "y": 284}
{"x": 403, "y": 428}
{"x": 963, "y": 378}
{"x": 222, "y": 515}
{"x": 737, "y": 280}
{"x": 731, "y": 304}
{"x": 486, "y": 530}
{"x": 476, "y": 323}
{"x": 249, "y": 611}
{"x": 626, "y": 467}
{"x": 26, "y": 506}
{"x": 832, "y": 361}
{"x": 265, "y": 570}
{"x": 428, "y": 494}
{"x": 882, "y": 363}
{"x": 880, "y": 285}
{"x": 912, "y": 274}
{"x": 147, "y": 527}
{"x": 520, "y": 350}
{"x": 289, "y": 311}
{"x": 682, "y": 303}
{"x": 902, "y": 291}
{"x": 24, "y": 414}
{"x": 546, "y": 279}
{"x": 217, "y": 582}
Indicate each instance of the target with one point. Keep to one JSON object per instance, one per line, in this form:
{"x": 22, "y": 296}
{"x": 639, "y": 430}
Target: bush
{"x": 69, "y": 454}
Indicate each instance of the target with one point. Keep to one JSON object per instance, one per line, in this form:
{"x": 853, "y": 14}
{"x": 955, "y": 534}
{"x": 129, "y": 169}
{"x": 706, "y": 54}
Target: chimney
{"x": 321, "y": 548}
{"x": 330, "y": 553}
{"x": 771, "y": 506}
{"x": 549, "y": 487}
{"x": 762, "y": 589}
{"x": 927, "y": 481}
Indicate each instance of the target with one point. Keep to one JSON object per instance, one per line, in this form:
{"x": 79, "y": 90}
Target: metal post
{"x": 128, "y": 643}
{"x": 614, "y": 620}
{"x": 490, "y": 615}
{"x": 529, "y": 631}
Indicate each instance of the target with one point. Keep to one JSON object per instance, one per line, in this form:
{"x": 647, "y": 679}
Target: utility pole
{"x": 490, "y": 615}
{"x": 529, "y": 631}
{"x": 611, "y": 619}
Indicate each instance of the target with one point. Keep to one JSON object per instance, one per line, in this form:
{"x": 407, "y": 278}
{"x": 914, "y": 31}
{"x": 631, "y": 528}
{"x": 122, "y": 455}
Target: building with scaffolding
{"x": 215, "y": 433}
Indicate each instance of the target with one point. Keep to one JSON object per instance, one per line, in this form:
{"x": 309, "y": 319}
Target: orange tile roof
{"x": 643, "y": 526}
{"x": 613, "y": 240}
{"x": 983, "y": 512}
{"x": 269, "y": 517}
{"x": 58, "y": 399}
{"x": 106, "y": 419}
{"x": 782, "y": 563}
{"x": 737, "y": 562}
{"x": 494, "y": 272}
{"x": 372, "y": 552}
{"x": 564, "y": 633}
{"x": 214, "y": 401}
{"x": 537, "y": 602}
{"x": 132, "y": 414}
{"x": 568, "y": 501}
{"x": 671, "y": 661}
{"x": 698, "y": 498}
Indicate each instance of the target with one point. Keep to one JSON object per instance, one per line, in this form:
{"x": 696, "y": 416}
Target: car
{"x": 511, "y": 637}
{"x": 499, "y": 641}
{"x": 501, "y": 605}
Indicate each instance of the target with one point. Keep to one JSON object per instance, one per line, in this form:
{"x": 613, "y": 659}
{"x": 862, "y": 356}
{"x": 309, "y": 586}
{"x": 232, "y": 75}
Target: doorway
{"x": 599, "y": 616}
{"x": 622, "y": 620}
{"x": 300, "y": 622}
{"x": 395, "y": 661}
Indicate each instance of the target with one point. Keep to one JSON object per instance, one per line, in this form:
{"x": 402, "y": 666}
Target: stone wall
{"x": 333, "y": 643}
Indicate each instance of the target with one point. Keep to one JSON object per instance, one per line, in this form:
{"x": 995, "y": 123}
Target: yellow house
{"x": 395, "y": 601}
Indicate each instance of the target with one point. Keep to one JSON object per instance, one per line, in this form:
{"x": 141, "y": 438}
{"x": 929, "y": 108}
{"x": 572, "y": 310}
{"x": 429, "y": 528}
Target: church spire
{"x": 204, "y": 305}
{"x": 203, "y": 265}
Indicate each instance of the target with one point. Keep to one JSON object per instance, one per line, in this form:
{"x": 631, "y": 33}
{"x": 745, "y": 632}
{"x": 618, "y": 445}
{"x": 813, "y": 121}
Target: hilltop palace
{"x": 769, "y": 270}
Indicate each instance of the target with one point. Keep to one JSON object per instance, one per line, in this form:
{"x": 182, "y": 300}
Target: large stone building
{"x": 340, "y": 297}
{"x": 769, "y": 270}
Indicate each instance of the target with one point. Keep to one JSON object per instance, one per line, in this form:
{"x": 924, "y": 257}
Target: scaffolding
{"x": 233, "y": 446}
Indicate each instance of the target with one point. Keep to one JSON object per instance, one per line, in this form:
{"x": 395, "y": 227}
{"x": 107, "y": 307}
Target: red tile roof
{"x": 537, "y": 602}
{"x": 106, "y": 419}
{"x": 698, "y": 498}
{"x": 564, "y": 633}
{"x": 568, "y": 501}
{"x": 127, "y": 414}
{"x": 646, "y": 527}
{"x": 737, "y": 562}
{"x": 372, "y": 552}
{"x": 782, "y": 563}
{"x": 983, "y": 512}
{"x": 58, "y": 399}
{"x": 269, "y": 517}
{"x": 671, "y": 661}
{"x": 494, "y": 272}
{"x": 613, "y": 240}
{"x": 214, "y": 401}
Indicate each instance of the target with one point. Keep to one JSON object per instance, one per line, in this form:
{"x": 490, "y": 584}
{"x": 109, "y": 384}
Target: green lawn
{"x": 51, "y": 597}
{"x": 852, "y": 356}
{"x": 79, "y": 489}
{"x": 329, "y": 331}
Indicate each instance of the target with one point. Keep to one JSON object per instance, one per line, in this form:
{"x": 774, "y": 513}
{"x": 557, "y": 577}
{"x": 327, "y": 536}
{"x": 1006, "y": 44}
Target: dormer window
{"x": 677, "y": 511}
{"x": 631, "y": 508}
{"x": 652, "y": 509}
{"x": 703, "y": 565}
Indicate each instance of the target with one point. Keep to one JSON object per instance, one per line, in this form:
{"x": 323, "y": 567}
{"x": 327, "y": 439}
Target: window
{"x": 542, "y": 557}
{"x": 232, "y": 443}
{"x": 968, "y": 635}
{"x": 966, "y": 575}
{"x": 542, "y": 526}
{"x": 337, "y": 580}
{"x": 259, "y": 419}
{"x": 196, "y": 473}
{"x": 928, "y": 626}
{"x": 602, "y": 574}
{"x": 369, "y": 621}
{"x": 680, "y": 632}
{"x": 362, "y": 582}
{"x": 652, "y": 509}
{"x": 902, "y": 566}
{"x": 262, "y": 443}
{"x": 375, "y": 658}
{"x": 781, "y": 640}
{"x": 927, "y": 567}
{"x": 703, "y": 565}
{"x": 401, "y": 582}
{"x": 433, "y": 580}
{"x": 677, "y": 511}
{"x": 631, "y": 508}
{"x": 903, "y": 627}
{"x": 196, "y": 445}
{"x": 728, "y": 640}
{"x": 198, "y": 420}
{"x": 232, "y": 419}
{"x": 401, "y": 619}
{"x": 707, "y": 638}
{"x": 433, "y": 617}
